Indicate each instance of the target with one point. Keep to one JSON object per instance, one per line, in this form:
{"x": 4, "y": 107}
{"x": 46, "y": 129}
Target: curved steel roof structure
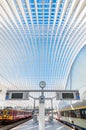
{"x": 39, "y": 40}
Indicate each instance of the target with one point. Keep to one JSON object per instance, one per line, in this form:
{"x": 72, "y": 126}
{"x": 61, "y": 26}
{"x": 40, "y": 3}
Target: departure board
{"x": 17, "y": 96}
{"x": 67, "y": 95}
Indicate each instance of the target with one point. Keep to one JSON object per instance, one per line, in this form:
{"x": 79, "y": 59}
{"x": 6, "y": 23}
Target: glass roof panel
{"x": 39, "y": 40}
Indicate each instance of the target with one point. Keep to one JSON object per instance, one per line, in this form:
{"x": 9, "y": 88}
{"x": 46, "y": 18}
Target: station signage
{"x": 67, "y": 95}
{"x": 60, "y": 94}
{"x": 17, "y": 95}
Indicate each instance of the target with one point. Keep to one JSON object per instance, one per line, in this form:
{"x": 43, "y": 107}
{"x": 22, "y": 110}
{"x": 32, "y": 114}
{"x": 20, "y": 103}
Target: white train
{"x": 74, "y": 115}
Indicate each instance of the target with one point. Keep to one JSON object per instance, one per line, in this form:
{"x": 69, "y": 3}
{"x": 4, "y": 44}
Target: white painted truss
{"x": 39, "y": 40}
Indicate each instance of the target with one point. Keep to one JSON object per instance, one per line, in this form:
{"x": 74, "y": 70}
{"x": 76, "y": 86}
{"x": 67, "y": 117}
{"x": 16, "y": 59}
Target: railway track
{"x": 12, "y": 125}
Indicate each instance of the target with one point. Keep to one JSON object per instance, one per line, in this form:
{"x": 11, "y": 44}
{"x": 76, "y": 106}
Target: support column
{"x": 52, "y": 108}
{"x": 34, "y": 104}
{"x": 34, "y": 114}
{"x": 41, "y": 116}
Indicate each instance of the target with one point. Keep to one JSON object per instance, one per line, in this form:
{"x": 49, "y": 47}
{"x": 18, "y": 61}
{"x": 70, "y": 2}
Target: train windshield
{"x": 83, "y": 113}
{"x": 6, "y": 112}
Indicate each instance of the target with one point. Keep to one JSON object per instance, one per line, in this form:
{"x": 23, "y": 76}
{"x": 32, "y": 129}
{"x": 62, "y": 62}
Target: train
{"x": 8, "y": 115}
{"x": 74, "y": 115}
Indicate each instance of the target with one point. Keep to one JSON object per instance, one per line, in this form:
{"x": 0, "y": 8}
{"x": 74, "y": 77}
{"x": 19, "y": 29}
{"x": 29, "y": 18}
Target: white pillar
{"x": 41, "y": 116}
{"x": 42, "y": 85}
{"x": 52, "y": 108}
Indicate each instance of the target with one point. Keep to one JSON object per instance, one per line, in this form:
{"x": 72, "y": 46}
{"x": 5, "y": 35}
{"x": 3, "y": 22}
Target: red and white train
{"x": 11, "y": 115}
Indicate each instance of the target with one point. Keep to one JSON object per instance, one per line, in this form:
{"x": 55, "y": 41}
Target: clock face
{"x": 42, "y": 84}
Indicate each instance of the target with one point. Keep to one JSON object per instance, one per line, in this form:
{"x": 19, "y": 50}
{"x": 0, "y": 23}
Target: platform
{"x": 29, "y": 125}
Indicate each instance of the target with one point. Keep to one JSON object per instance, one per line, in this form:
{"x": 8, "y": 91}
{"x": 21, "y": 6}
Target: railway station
{"x": 42, "y": 64}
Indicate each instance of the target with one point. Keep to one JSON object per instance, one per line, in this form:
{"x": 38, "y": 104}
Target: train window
{"x": 8, "y": 113}
{"x": 69, "y": 113}
{"x": 78, "y": 113}
{"x": 83, "y": 113}
{"x": 65, "y": 113}
{"x": 73, "y": 113}
{"x": 62, "y": 113}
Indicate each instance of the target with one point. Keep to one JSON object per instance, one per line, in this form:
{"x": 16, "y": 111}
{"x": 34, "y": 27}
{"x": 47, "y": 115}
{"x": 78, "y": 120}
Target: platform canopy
{"x": 39, "y": 40}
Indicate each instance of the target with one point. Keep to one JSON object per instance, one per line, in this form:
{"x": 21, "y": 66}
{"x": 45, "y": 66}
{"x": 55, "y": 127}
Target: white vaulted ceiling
{"x": 39, "y": 40}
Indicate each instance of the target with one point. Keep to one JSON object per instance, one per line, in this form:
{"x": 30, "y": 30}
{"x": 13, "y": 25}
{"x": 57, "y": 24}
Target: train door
{"x": 1, "y": 115}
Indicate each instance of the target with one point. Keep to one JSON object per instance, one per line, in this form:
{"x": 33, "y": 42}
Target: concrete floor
{"x": 30, "y": 125}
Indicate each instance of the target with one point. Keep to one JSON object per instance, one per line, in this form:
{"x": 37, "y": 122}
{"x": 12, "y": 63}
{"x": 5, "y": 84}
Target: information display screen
{"x": 67, "y": 95}
{"x": 17, "y": 96}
